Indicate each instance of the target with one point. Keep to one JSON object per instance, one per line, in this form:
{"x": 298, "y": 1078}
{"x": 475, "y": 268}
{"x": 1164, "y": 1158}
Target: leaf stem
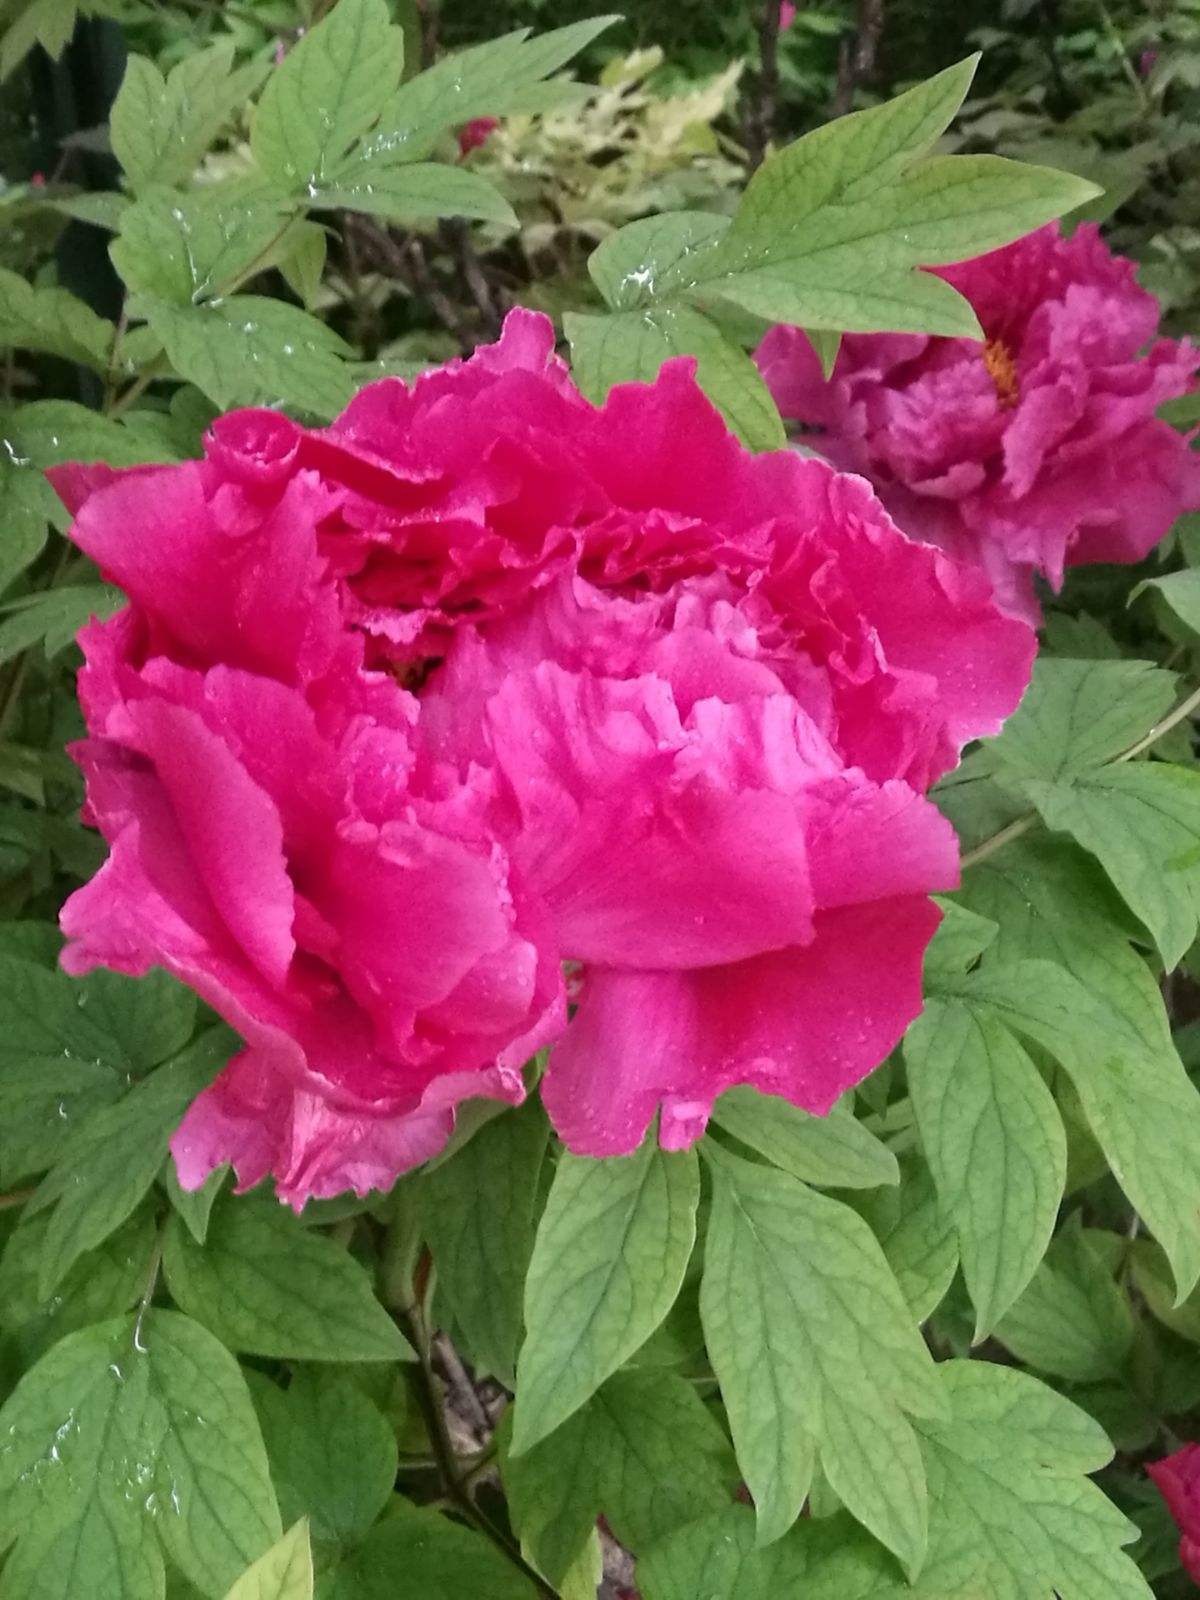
{"x": 17, "y": 1197}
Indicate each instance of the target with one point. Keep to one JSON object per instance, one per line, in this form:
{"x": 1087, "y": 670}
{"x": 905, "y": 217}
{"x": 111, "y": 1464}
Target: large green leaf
{"x": 327, "y": 92}
{"x": 248, "y": 350}
{"x": 631, "y": 346}
{"x": 267, "y": 1285}
{"x": 918, "y": 1238}
{"x": 816, "y": 1353}
{"x": 332, "y": 1452}
{"x": 161, "y": 128}
{"x": 832, "y": 228}
{"x": 834, "y": 1152}
{"x": 644, "y": 1453}
{"x": 129, "y": 1428}
{"x": 995, "y": 1143}
{"x": 480, "y": 1211}
{"x": 101, "y": 1284}
{"x": 109, "y": 1165}
{"x": 608, "y": 1262}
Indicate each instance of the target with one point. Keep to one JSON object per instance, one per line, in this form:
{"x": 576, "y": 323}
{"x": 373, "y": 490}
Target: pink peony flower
{"x": 475, "y": 133}
{"x": 408, "y": 712}
{"x": 1177, "y": 1478}
{"x": 1036, "y": 451}
{"x": 787, "y": 15}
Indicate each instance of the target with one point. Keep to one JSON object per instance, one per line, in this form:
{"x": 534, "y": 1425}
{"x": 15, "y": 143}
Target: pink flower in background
{"x": 409, "y": 712}
{"x": 472, "y": 135}
{"x": 1177, "y": 1478}
{"x": 787, "y": 15}
{"x": 1036, "y": 451}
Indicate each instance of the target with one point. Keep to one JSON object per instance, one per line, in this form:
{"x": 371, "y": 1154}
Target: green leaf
{"x": 1012, "y": 1514}
{"x": 627, "y": 266}
{"x": 412, "y": 192}
{"x": 160, "y": 128}
{"x": 625, "y": 347}
{"x": 816, "y": 1354}
{"x": 267, "y": 1285}
{"x": 128, "y": 1428}
{"x": 332, "y": 1452}
{"x": 423, "y": 1554}
{"x": 326, "y": 92}
{"x": 302, "y": 261}
{"x": 960, "y": 940}
{"x": 1181, "y": 591}
{"x": 917, "y": 1237}
{"x": 1139, "y": 1102}
{"x": 835, "y": 1151}
{"x": 480, "y": 1210}
{"x": 1072, "y": 1320}
{"x": 995, "y": 1143}
{"x": 111, "y": 1162}
{"x": 248, "y": 350}
{"x": 48, "y": 433}
{"x": 183, "y": 248}
{"x": 102, "y": 1283}
{"x": 54, "y": 618}
{"x": 489, "y": 79}
{"x": 194, "y": 1206}
{"x": 49, "y": 23}
{"x": 284, "y": 1573}
{"x": 1141, "y": 820}
{"x": 1076, "y": 715}
{"x": 832, "y": 229}
{"x": 608, "y": 1262}
{"x": 644, "y": 1452}
{"x": 53, "y": 322}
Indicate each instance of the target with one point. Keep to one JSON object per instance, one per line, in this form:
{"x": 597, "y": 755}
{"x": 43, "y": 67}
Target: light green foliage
{"x": 833, "y": 1152}
{"x": 130, "y": 1434}
{"x": 1011, "y": 1513}
{"x": 995, "y": 1144}
{"x": 284, "y": 1573}
{"x": 829, "y": 234}
{"x": 816, "y": 1355}
{"x": 327, "y": 92}
{"x": 269, "y": 1286}
{"x": 608, "y": 1261}
{"x": 162, "y": 127}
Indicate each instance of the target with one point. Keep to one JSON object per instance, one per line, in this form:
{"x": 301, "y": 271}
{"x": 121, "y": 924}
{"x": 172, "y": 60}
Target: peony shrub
{"x": 596, "y": 828}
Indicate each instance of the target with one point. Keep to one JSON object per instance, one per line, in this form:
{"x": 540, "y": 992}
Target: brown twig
{"x": 764, "y": 95}
{"x": 456, "y": 236}
{"x": 856, "y": 55}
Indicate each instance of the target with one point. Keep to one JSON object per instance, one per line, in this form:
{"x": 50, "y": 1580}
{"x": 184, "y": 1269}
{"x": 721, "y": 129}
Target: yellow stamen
{"x": 1002, "y": 370}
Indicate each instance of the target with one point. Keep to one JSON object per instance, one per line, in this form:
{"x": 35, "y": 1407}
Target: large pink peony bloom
{"x": 407, "y": 713}
{"x": 1036, "y": 451}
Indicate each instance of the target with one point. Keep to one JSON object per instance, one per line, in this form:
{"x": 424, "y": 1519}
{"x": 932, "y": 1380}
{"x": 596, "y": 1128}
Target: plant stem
{"x": 17, "y": 1197}
{"x": 760, "y": 118}
{"x": 454, "y": 1481}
